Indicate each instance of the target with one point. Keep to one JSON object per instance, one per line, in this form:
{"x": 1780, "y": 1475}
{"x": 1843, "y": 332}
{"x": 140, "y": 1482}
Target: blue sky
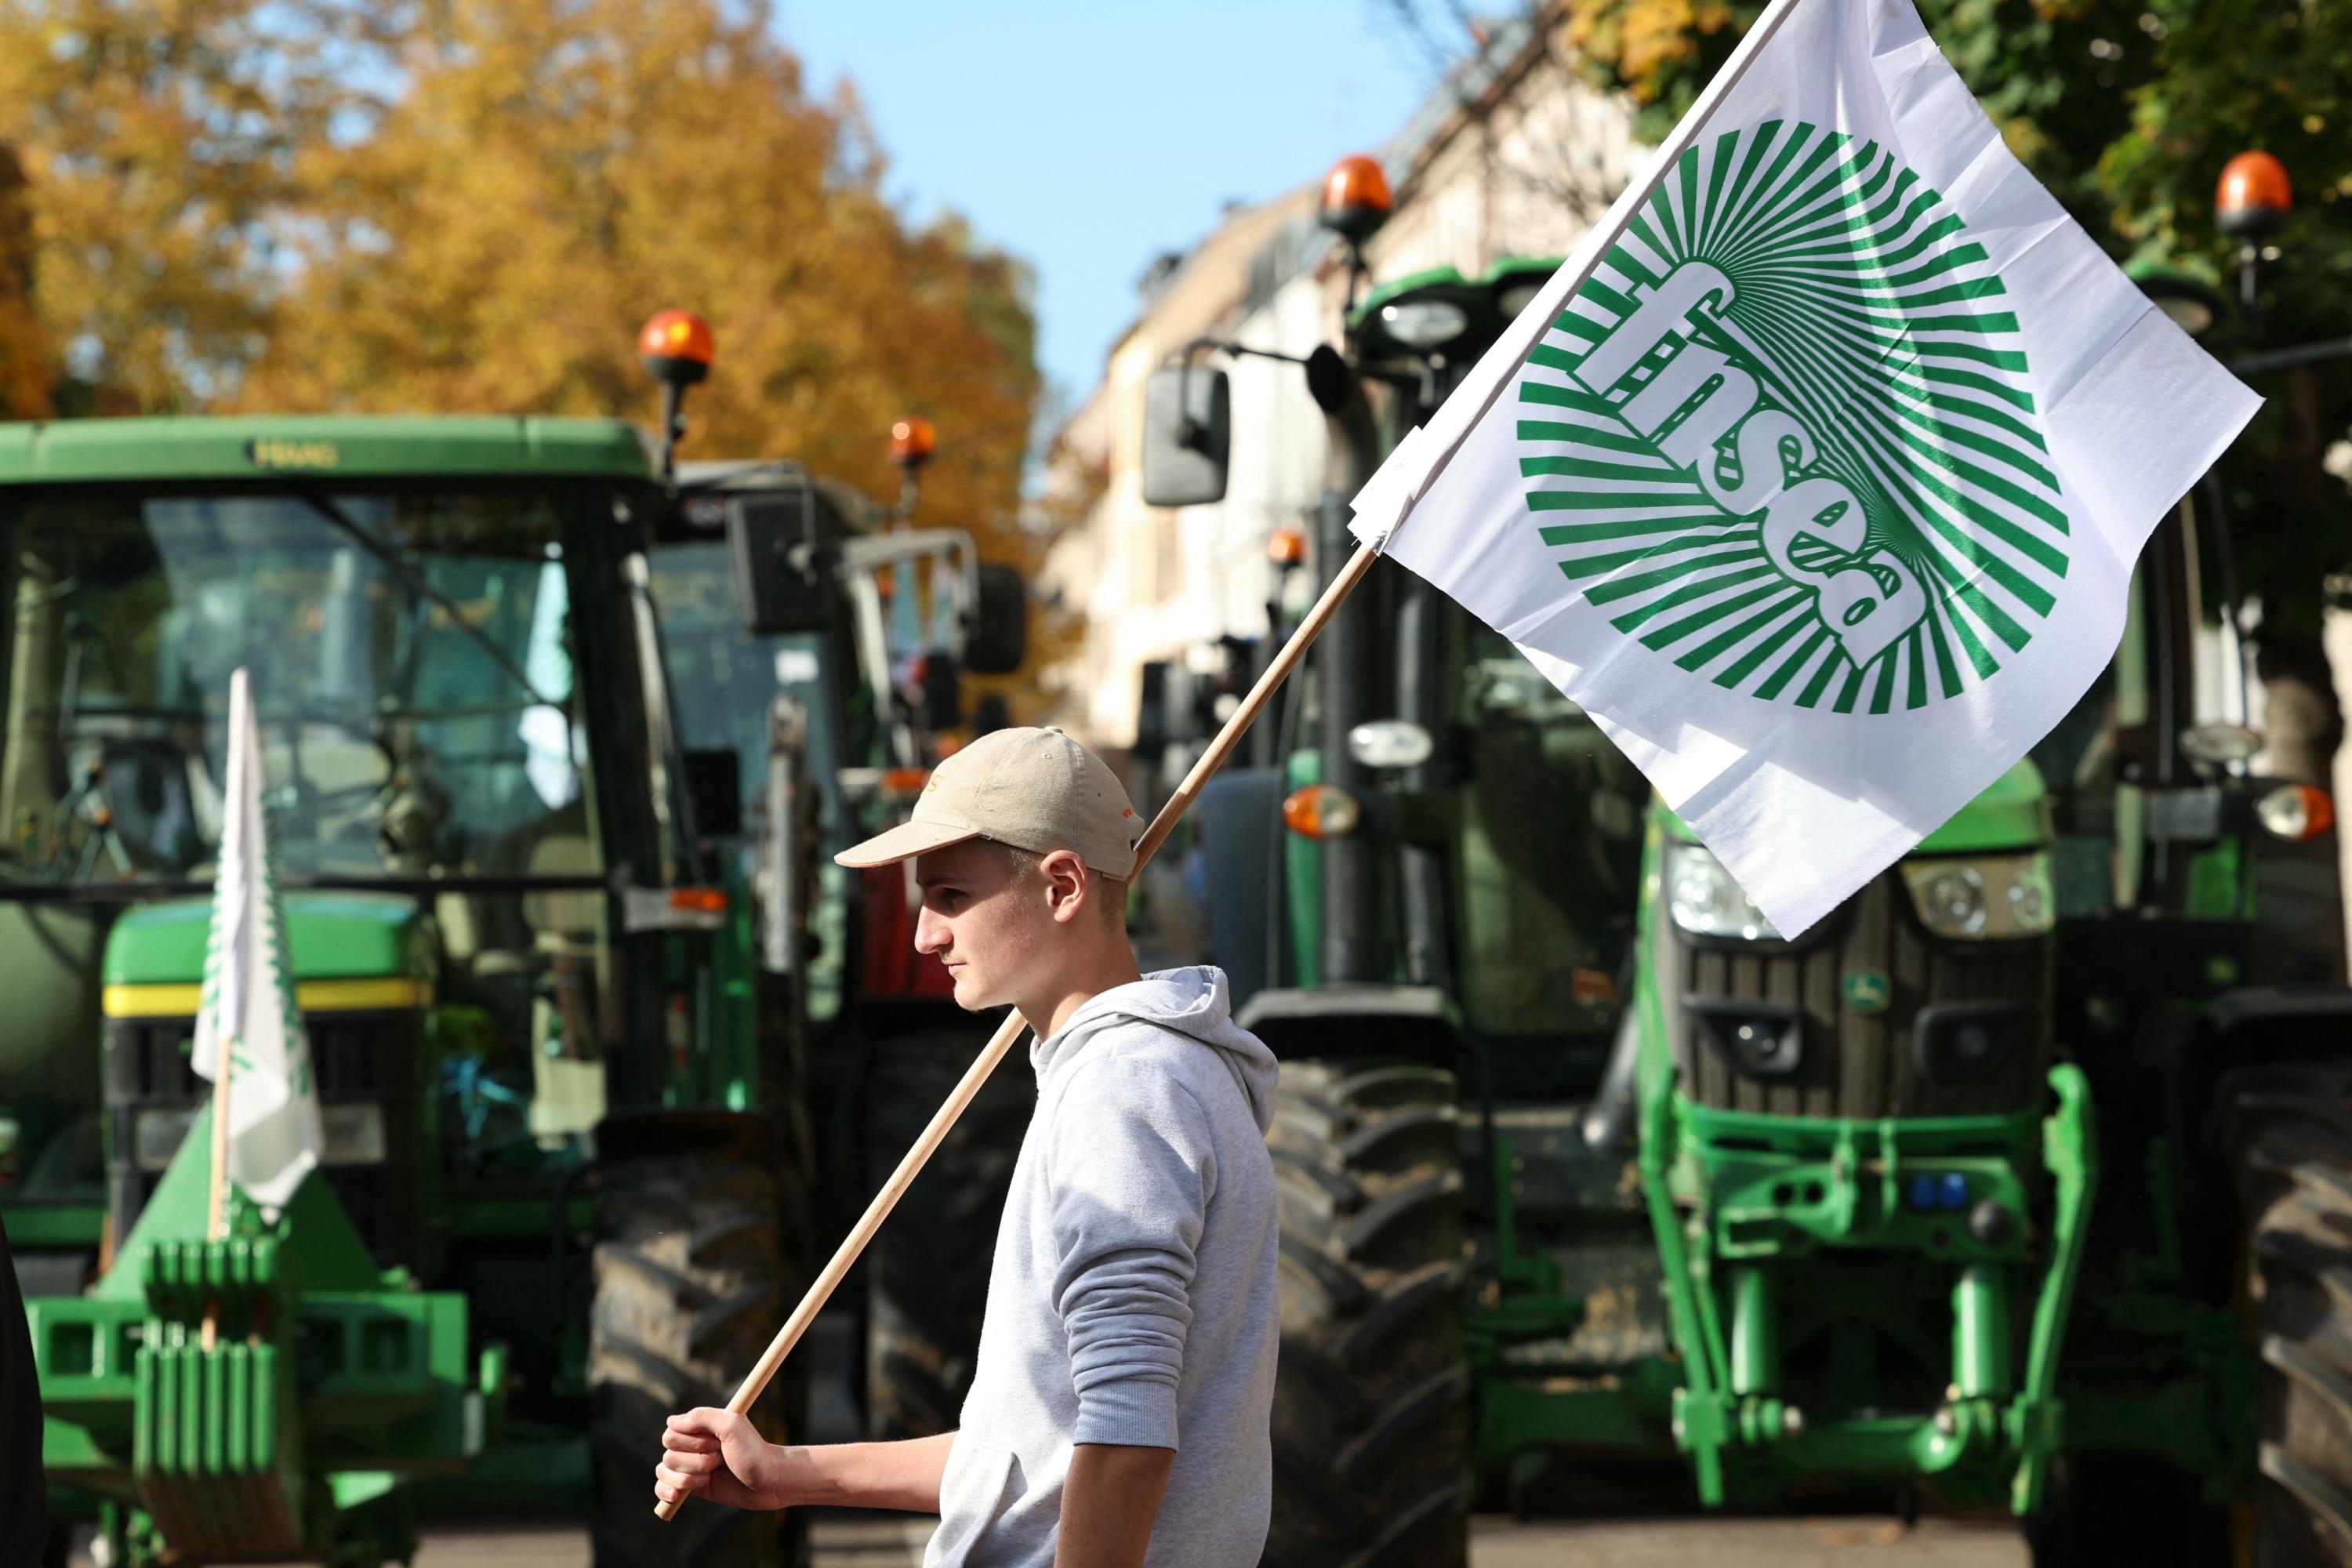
{"x": 1089, "y": 137}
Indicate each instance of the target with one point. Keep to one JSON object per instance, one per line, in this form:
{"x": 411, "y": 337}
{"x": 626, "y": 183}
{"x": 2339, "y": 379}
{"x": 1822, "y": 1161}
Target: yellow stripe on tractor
{"x": 381, "y": 996}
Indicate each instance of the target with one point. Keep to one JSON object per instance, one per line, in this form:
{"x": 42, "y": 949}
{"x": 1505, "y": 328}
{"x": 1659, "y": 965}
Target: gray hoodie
{"x": 1132, "y": 1298}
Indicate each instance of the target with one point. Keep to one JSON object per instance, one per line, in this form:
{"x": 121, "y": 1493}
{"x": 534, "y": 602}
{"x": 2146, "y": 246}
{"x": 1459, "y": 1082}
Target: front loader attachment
{"x": 330, "y": 1382}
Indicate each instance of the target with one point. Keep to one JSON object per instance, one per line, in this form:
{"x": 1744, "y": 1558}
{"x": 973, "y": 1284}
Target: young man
{"x": 1117, "y": 1416}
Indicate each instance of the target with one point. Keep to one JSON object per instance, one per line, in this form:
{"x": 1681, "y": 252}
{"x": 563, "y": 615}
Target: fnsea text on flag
{"x": 1816, "y": 473}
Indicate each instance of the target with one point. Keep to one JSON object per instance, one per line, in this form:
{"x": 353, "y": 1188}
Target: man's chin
{"x": 971, "y": 996}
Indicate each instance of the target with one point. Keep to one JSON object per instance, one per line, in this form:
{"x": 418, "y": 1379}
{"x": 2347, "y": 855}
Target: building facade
{"x": 1514, "y": 156}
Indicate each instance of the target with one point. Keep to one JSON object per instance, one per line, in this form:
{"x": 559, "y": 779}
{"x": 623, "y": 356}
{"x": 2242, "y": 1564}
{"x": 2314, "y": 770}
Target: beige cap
{"x": 1035, "y": 789}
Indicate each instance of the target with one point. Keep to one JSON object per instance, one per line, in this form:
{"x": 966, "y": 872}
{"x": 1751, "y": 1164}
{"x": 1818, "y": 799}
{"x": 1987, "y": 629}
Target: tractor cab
{"x": 504, "y": 922}
{"x": 435, "y": 696}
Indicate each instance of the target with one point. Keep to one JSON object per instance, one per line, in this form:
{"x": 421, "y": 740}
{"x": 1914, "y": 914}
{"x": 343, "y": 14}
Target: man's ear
{"x": 1067, "y": 884}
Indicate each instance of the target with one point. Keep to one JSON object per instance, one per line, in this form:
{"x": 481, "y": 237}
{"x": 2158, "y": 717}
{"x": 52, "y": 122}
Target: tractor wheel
{"x": 699, "y": 1257}
{"x": 2293, "y": 1138}
{"x": 1372, "y": 1403}
{"x": 927, "y": 1270}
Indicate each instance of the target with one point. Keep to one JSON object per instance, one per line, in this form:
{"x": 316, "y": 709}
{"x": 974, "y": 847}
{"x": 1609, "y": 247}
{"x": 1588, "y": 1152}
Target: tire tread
{"x": 1372, "y": 1417}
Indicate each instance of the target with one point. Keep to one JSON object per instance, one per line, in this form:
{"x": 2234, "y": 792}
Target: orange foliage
{"x": 556, "y": 170}
{"x": 158, "y": 136}
{"x": 24, "y": 347}
{"x": 1642, "y": 41}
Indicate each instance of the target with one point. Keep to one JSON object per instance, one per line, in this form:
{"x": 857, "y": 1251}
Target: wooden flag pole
{"x": 217, "y": 1205}
{"x": 1009, "y": 1032}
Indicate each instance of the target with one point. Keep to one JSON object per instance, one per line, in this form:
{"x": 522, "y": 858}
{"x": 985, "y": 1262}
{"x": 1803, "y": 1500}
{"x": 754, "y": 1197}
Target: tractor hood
{"x": 155, "y": 953}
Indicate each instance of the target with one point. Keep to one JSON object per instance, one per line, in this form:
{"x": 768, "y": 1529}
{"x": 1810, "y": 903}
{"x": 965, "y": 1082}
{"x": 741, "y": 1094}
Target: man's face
{"x": 985, "y": 914}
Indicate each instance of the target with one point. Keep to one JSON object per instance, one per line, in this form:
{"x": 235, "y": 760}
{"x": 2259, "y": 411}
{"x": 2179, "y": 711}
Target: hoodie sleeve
{"x": 1132, "y": 1171}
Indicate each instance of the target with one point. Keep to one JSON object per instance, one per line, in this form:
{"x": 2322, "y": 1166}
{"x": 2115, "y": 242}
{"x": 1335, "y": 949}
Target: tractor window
{"x": 1551, "y": 851}
{"x": 725, "y": 678}
{"x": 411, "y": 671}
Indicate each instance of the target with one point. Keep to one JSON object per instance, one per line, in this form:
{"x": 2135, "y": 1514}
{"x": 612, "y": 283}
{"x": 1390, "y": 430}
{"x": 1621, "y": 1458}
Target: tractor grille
{"x": 1801, "y": 1030}
{"x": 361, "y": 1059}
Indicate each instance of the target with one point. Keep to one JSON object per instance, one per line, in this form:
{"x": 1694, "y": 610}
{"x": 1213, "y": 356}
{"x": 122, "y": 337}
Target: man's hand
{"x": 1108, "y": 1503}
{"x": 720, "y": 1455}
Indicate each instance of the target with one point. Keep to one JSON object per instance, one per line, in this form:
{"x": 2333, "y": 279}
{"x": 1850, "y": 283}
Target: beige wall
{"x": 1124, "y": 565}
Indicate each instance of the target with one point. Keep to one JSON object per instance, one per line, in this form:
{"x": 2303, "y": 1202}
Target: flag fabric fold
{"x": 248, "y": 989}
{"x": 1816, "y": 473}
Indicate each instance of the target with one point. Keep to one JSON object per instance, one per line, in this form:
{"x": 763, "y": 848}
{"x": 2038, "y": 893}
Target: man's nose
{"x": 930, "y": 933}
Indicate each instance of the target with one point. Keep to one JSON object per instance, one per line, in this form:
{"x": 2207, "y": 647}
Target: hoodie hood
{"x": 1194, "y": 1002}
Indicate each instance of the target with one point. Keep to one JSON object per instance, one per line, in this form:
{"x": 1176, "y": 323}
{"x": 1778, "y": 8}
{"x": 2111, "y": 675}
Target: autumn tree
{"x": 156, "y": 141}
{"x": 552, "y": 170}
{"x": 25, "y": 363}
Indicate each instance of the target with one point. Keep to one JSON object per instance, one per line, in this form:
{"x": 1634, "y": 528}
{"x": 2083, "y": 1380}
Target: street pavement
{"x": 866, "y": 1541}
{"x": 848, "y": 1540}
{"x": 845, "y": 1539}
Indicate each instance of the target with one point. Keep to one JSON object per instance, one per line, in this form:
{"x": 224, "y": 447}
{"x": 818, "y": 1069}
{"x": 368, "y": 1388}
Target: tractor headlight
{"x": 1396, "y": 743}
{"x": 1992, "y": 899}
{"x": 1758, "y": 1039}
{"x": 1705, "y": 900}
{"x": 1966, "y": 1042}
{"x": 1950, "y": 899}
{"x": 1424, "y": 323}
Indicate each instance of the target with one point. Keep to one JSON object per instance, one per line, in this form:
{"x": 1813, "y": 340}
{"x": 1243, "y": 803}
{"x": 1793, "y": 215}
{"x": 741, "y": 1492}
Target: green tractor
{"x": 1981, "y": 1190}
{"x": 565, "y": 1186}
{"x": 825, "y": 655}
{"x": 1582, "y": 1162}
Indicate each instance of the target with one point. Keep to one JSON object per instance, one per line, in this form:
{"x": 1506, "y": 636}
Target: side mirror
{"x": 1187, "y": 433}
{"x": 779, "y": 582}
{"x": 996, "y": 639}
{"x": 714, "y": 788}
{"x": 1329, "y": 381}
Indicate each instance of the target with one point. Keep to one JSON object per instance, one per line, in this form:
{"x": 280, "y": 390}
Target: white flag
{"x": 1816, "y": 473}
{"x": 249, "y": 992}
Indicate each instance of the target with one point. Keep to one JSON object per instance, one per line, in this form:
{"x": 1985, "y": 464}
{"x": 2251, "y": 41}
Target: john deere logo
{"x": 281, "y": 454}
{"x": 1794, "y": 450}
{"x": 1868, "y": 990}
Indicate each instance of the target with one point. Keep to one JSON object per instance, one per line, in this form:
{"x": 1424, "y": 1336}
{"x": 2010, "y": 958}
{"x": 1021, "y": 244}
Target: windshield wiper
{"x": 415, "y": 583}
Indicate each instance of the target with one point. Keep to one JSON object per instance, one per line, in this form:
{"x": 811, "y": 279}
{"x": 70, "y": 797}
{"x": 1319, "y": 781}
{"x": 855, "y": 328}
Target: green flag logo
{"x": 1793, "y": 450}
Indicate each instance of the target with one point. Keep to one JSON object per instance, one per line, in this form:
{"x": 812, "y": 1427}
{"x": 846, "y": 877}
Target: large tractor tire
{"x": 927, "y": 1270}
{"x": 2292, "y": 1132}
{"x": 1371, "y": 1404}
{"x": 700, "y": 1253}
